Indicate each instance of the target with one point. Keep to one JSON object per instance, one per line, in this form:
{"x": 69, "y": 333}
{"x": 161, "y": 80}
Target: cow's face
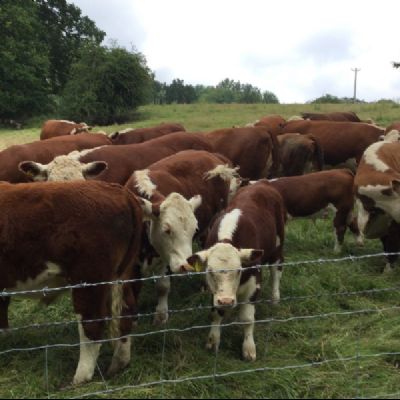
{"x": 62, "y": 168}
{"x": 223, "y": 264}
{"x": 172, "y": 227}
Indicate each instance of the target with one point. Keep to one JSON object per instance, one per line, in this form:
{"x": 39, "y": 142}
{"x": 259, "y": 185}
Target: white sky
{"x": 299, "y": 50}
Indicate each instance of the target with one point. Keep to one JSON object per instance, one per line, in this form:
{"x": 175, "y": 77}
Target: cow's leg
{"x": 340, "y": 224}
{"x": 214, "y": 337}
{"x": 4, "y": 303}
{"x": 353, "y": 226}
{"x": 89, "y": 304}
{"x": 122, "y": 347}
{"x": 275, "y": 280}
{"x": 246, "y": 315}
{"x": 391, "y": 244}
{"x": 163, "y": 286}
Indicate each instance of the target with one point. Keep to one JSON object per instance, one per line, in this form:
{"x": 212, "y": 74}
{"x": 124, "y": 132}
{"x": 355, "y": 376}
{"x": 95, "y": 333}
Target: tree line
{"x": 53, "y": 61}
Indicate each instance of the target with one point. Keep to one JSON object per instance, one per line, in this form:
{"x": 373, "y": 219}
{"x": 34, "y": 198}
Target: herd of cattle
{"x": 136, "y": 200}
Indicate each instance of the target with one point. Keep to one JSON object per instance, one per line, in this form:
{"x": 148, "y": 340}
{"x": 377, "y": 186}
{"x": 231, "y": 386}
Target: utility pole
{"x": 356, "y": 70}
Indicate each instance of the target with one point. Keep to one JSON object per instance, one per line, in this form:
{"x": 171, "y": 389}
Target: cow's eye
{"x": 167, "y": 230}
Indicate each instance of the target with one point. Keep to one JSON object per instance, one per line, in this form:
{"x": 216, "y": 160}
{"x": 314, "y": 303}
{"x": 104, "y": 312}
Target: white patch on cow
{"x": 77, "y": 155}
{"x": 225, "y": 172}
{"x": 171, "y": 233}
{"x": 116, "y": 309}
{"x": 67, "y": 122}
{"x": 73, "y": 131}
{"x": 214, "y": 337}
{"x": 371, "y": 157}
{"x": 275, "y": 278}
{"x": 229, "y": 224}
{"x": 278, "y": 241}
{"x": 247, "y": 289}
{"x": 295, "y": 118}
{"x": 144, "y": 184}
{"x": 89, "y": 353}
{"x": 126, "y": 130}
{"x": 392, "y": 136}
{"x": 49, "y": 277}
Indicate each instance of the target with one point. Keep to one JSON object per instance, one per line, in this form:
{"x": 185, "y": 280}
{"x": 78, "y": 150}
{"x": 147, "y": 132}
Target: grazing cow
{"x": 122, "y": 161}
{"x": 43, "y": 152}
{"x": 333, "y": 116}
{"x": 308, "y": 194}
{"x": 340, "y": 141}
{"x": 181, "y": 194}
{"x": 254, "y": 150}
{"x": 58, "y": 234}
{"x": 249, "y": 231}
{"x": 139, "y": 135}
{"x": 377, "y": 184}
{"x": 54, "y": 127}
{"x": 299, "y": 154}
{"x": 273, "y": 122}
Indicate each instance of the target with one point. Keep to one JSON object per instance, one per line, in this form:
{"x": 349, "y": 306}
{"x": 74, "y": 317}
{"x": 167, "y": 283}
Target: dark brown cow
{"x": 308, "y": 194}
{"x": 181, "y": 194}
{"x": 139, "y": 135}
{"x": 344, "y": 116}
{"x": 299, "y": 154}
{"x": 43, "y": 152}
{"x": 377, "y": 184}
{"x": 58, "y": 234}
{"x": 122, "y": 161}
{"x": 273, "y": 122}
{"x": 254, "y": 150}
{"x": 340, "y": 141}
{"x": 249, "y": 231}
{"x": 55, "y": 127}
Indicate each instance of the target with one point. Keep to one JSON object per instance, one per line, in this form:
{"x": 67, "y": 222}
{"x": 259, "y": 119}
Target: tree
{"x": 65, "y": 31}
{"x": 106, "y": 85}
{"x": 178, "y": 92}
{"x": 270, "y": 98}
{"x": 24, "y": 61}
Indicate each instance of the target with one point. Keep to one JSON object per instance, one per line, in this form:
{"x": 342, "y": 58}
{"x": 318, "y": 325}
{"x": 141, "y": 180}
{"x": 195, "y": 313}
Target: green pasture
{"x": 335, "y": 333}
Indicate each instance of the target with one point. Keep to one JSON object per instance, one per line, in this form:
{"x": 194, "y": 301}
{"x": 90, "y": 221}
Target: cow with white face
{"x": 180, "y": 196}
{"x": 250, "y": 231}
{"x": 377, "y": 184}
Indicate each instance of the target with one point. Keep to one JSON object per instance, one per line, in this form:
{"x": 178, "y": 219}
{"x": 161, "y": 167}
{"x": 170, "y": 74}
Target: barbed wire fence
{"x": 215, "y": 375}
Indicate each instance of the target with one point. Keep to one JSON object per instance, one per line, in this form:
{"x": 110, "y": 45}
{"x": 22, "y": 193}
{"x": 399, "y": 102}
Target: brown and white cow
{"x": 377, "y": 184}
{"x": 394, "y": 126}
{"x": 181, "y": 194}
{"x": 254, "y": 150}
{"x": 273, "y": 122}
{"x": 140, "y": 135}
{"x": 340, "y": 141}
{"x": 121, "y": 161}
{"x": 43, "y": 152}
{"x": 250, "y": 230}
{"x": 55, "y": 127}
{"x": 54, "y": 235}
{"x": 299, "y": 154}
{"x": 308, "y": 194}
{"x": 332, "y": 116}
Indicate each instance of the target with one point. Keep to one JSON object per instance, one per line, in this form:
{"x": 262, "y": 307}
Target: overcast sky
{"x": 299, "y": 50}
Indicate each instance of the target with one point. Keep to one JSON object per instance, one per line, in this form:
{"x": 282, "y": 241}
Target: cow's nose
{"x": 226, "y": 301}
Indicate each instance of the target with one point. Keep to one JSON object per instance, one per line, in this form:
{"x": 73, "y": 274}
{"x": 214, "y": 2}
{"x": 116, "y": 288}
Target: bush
{"x": 106, "y": 85}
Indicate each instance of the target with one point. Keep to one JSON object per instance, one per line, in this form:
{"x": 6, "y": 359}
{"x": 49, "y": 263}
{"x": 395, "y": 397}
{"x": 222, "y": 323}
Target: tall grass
{"x": 306, "y": 290}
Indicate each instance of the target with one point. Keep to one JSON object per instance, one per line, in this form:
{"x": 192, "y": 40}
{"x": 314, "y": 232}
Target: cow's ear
{"x": 396, "y": 185}
{"x": 195, "y": 202}
{"x": 251, "y": 255}
{"x": 198, "y": 261}
{"x": 34, "y": 170}
{"x": 150, "y": 210}
{"x": 91, "y": 170}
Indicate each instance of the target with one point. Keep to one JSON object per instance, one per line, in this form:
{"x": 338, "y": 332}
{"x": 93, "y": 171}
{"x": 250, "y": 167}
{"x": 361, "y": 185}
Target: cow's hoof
{"x": 249, "y": 351}
{"x": 213, "y": 343}
{"x": 388, "y": 269}
{"x": 160, "y": 319}
{"x": 116, "y": 366}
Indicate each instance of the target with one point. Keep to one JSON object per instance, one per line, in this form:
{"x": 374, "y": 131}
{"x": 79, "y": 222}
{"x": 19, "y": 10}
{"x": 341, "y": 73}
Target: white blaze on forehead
{"x": 371, "y": 157}
{"x": 64, "y": 168}
{"x": 229, "y": 224}
{"x": 144, "y": 184}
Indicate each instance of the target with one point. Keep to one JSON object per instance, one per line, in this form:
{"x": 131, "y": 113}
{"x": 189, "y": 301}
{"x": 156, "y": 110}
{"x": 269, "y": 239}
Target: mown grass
{"x": 307, "y": 290}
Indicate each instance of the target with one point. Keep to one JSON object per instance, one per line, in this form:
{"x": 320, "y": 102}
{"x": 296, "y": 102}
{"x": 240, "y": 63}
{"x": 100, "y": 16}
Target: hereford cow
{"x": 348, "y": 116}
{"x": 139, "y": 135}
{"x": 273, "y": 122}
{"x": 249, "y": 231}
{"x": 377, "y": 184}
{"x": 340, "y": 141}
{"x": 54, "y": 127}
{"x": 180, "y": 194}
{"x": 254, "y": 150}
{"x": 64, "y": 234}
{"x": 43, "y": 152}
{"x": 299, "y": 154}
{"x": 114, "y": 163}
{"x": 308, "y": 194}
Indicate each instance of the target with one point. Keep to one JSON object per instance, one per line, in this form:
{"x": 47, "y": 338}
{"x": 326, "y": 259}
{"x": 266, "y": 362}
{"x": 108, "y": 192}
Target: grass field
{"x": 331, "y": 355}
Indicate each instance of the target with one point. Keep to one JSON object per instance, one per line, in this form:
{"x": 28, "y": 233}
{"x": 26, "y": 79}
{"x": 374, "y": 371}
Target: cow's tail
{"x": 276, "y": 155}
{"x": 318, "y": 156}
{"x": 127, "y": 271}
